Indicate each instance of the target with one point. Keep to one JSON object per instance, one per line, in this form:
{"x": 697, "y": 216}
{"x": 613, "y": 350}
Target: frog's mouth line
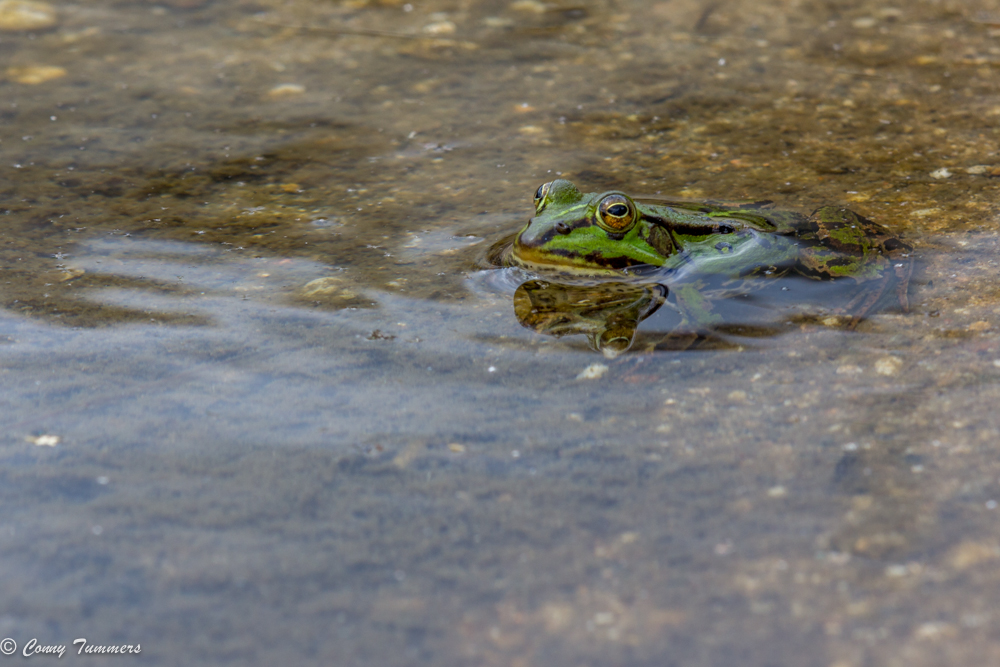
{"x": 564, "y": 262}
{"x": 566, "y": 258}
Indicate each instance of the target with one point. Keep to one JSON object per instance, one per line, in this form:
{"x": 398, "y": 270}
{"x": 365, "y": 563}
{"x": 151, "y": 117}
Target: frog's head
{"x": 588, "y": 233}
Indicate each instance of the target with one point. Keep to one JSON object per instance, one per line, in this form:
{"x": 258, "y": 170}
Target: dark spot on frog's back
{"x": 659, "y": 239}
{"x": 895, "y": 244}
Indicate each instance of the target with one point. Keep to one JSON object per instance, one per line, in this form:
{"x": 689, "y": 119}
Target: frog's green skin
{"x": 699, "y": 245}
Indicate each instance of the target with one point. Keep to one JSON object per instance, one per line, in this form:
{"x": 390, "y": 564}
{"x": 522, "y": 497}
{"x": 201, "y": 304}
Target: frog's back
{"x": 759, "y": 215}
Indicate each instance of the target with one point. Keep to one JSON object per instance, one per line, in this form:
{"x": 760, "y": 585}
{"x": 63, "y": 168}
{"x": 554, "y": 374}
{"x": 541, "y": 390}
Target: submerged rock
{"x": 19, "y": 15}
{"x": 35, "y": 74}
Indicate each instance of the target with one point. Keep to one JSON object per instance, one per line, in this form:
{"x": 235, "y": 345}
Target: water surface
{"x": 260, "y": 407}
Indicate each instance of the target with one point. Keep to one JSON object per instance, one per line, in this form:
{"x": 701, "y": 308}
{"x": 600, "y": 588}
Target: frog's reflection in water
{"x": 608, "y": 313}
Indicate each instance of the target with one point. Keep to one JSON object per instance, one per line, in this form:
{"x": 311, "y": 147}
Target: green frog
{"x": 704, "y": 251}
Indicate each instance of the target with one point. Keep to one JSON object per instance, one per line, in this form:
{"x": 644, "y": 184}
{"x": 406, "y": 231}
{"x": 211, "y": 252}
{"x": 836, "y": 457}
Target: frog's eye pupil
{"x": 615, "y": 213}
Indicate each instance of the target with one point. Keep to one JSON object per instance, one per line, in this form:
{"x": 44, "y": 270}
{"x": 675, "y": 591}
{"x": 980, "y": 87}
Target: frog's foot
{"x": 610, "y": 344}
{"x": 678, "y": 341}
{"x": 866, "y": 300}
{"x": 903, "y": 271}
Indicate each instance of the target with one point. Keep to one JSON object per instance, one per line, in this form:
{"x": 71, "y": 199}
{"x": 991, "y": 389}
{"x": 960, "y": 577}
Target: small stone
{"x": 34, "y": 74}
{"x": 896, "y": 571}
{"x": 935, "y": 631}
{"x": 969, "y": 554}
{"x": 592, "y": 372}
{"x": 70, "y": 274}
{"x": 45, "y": 440}
{"x": 978, "y": 169}
{"x": 738, "y": 396}
{"x": 440, "y": 28}
{"x": 532, "y": 6}
{"x": 888, "y": 365}
{"x": 777, "y": 492}
{"x": 22, "y": 15}
{"x": 330, "y": 286}
{"x": 941, "y": 173}
{"x": 864, "y": 22}
{"x": 980, "y": 326}
{"x": 457, "y": 448}
{"x": 849, "y": 369}
{"x": 497, "y": 22}
{"x": 604, "y": 618}
{"x": 286, "y": 90}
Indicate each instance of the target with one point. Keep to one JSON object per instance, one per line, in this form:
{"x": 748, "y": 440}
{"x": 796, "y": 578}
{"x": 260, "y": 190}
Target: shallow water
{"x": 260, "y": 404}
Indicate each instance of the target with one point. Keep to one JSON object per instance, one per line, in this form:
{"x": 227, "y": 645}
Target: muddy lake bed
{"x": 262, "y": 404}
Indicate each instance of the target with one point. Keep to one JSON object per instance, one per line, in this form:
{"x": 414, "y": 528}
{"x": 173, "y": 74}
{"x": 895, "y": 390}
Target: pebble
{"x": 532, "y": 6}
{"x": 35, "y": 74}
{"x": 327, "y": 287}
{"x": 980, "y": 326}
{"x": 941, "y": 173}
{"x": 592, "y": 372}
{"x": 970, "y": 553}
{"x": 440, "y": 28}
{"x": 286, "y": 90}
{"x": 738, "y": 396}
{"x": 45, "y": 440}
{"x": 935, "y": 631}
{"x": 20, "y": 15}
{"x": 888, "y": 365}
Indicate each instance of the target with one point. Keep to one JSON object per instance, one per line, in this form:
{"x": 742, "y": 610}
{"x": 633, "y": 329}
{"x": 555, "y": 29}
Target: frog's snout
{"x": 530, "y": 236}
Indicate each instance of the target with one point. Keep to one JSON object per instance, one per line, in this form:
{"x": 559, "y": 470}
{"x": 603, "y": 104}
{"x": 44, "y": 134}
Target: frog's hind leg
{"x": 869, "y": 297}
{"x": 903, "y": 272}
{"x": 865, "y": 301}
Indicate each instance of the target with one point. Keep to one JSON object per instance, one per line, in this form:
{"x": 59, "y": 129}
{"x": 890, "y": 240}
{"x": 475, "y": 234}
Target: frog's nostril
{"x": 563, "y": 228}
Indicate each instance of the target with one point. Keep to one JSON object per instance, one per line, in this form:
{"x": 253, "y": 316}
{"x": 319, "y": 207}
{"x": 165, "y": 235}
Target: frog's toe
{"x": 903, "y": 271}
{"x": 610, "y": 344}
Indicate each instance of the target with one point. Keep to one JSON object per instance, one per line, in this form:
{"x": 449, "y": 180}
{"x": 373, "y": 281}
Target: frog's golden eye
{"x": 540, "y": 194}
{"x": 615, "y": 213}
